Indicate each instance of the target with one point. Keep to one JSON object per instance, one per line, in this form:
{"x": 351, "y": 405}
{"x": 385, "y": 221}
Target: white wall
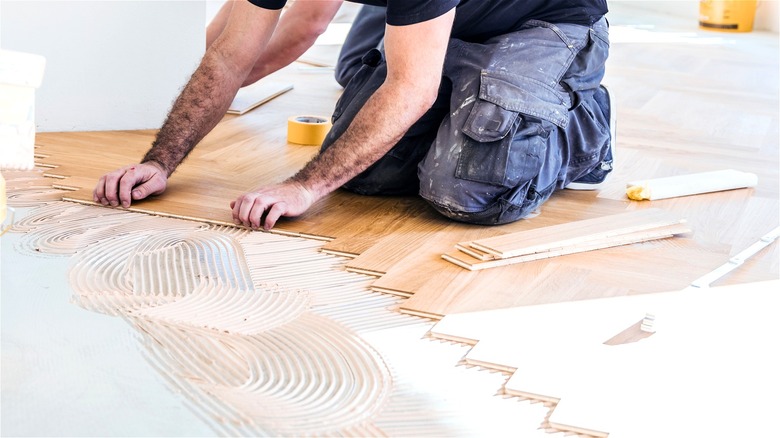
{"x": 767, "y": 11}
{"x": 110, "y": 64}
{"x": 768, "y": 16}
{"x": 119, "y": 64}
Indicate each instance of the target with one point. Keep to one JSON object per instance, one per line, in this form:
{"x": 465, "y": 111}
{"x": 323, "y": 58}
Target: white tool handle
{"x": 691, "y": 184}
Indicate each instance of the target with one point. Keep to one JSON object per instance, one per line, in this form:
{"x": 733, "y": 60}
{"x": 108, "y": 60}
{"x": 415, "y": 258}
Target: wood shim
{"x": 572, "y": 233}
{"x": 473, "y": 264}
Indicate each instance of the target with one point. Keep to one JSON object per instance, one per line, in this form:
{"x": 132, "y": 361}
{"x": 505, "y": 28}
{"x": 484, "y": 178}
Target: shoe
{"x": 596, "y": 178}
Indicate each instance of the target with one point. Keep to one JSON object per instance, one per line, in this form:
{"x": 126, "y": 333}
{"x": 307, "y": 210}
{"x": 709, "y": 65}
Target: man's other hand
{"x": 130, "y": 183}
{"x": 264, "y": 206}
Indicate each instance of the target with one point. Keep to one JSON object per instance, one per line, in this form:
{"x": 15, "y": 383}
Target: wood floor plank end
{"x": 490, "y": 365}
{"x": 339, "y": 253}
{"x": 397, "y": 293}
{"x": 465, "y": 247}
{"x": 376, "y": 274}
{"x": 54, "y": 175}
{"x": 452, "y": 338}
{"x": 319, "y": 237}
{"x": 57, "y": 177}
{"x": 421, "y": 314}
{"x": 531, "y": 396}
{"x": 579, "y": 430}
{"x": 462, "y": 264}
{"x": 64, "y": 187}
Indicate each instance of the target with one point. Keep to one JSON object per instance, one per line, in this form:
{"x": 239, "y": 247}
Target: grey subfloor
{"x": 66, "y": 371}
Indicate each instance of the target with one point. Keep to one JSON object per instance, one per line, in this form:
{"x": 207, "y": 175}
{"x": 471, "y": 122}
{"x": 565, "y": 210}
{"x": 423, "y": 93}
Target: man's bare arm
{"x": 207, "y": 96}
{"x": 299, "y": 26}
{"x": 198, "y": 109}
{"x": 415, "y": 56}
{"x": 298, "y": 29}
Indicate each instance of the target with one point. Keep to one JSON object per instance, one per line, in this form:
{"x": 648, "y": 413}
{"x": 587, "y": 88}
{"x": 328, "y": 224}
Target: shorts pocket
{"x": 505, "y": 139}
{"x": 509, "y": 161}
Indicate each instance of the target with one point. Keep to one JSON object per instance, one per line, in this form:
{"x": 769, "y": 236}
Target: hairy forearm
{"x": 195, "y": 112}
{"x": 379, "y": 125}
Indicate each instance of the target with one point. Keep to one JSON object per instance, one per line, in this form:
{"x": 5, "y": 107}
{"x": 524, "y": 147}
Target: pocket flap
{"x": 524, "y": 95}
{"x": 488, "y": 122}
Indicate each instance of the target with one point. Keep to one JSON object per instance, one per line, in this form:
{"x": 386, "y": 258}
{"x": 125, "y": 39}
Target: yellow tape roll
{"x": 307, "y": 130}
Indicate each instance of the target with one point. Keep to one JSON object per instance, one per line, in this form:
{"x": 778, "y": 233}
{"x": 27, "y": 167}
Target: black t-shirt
{"x": 477, "y": 20}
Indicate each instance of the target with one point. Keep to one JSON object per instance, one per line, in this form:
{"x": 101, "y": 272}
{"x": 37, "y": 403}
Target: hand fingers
{"x": 250, "y": 209}
{"x": 119, "y": 186}
{"x": 236, "y": 207}
{"x": 245, "y": 214}
{"x": 243, "y": 208}
{"x": 277, "y": 210}
{"x": 153, "y": 186}
{"x": 265, "y": 206}
{"x": 99, "y": 194}
{"x": 111, "y": 187}
{"x": 126, "y": 183}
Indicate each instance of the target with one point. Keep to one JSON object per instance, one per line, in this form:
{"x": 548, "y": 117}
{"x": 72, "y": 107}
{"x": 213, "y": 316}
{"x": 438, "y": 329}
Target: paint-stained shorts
{"x": 515, "y": 120}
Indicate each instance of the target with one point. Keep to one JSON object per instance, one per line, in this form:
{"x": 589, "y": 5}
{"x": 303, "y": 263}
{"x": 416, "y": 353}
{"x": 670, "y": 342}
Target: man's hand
{"x": 129, "y": 183}
{"x": 264, "y": 206}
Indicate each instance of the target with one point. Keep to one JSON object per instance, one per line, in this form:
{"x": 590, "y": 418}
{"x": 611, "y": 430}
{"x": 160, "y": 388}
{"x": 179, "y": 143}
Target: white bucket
{"x": 20, "y": 74}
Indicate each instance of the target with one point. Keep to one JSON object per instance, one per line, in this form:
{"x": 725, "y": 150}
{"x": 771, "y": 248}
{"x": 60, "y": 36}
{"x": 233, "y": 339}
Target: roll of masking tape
{"x": 307, "y": 130}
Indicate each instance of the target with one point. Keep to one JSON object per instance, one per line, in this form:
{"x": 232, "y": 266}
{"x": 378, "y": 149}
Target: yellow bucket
{"x": 728, "y": 15}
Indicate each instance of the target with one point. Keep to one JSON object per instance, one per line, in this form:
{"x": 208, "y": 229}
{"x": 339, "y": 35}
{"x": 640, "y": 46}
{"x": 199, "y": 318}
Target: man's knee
{"x": 494, "y": 182}
{"x": 366, "y": 33}
{"x": 503, "y": 208}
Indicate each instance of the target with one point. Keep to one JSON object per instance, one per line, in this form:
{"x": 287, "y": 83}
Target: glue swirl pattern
{"x": 249, "y": 354}
{"x": 261, "y": 334}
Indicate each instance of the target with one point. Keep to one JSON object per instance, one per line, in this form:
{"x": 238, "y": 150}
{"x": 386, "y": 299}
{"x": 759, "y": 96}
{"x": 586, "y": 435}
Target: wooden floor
{"x": 687, "y": 101}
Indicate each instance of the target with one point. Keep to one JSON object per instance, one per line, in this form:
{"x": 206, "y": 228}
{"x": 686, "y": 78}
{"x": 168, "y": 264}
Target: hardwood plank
{"x": 465, "y": 261}
{"x": 406, "y": 270}
{"x": 382, "y": 217}
{"x": 428, "y": 236}
{"x": 572, "y": 233}
{"x": 389, "y": 250}
{"x": 425, "y": 278}
{"x": 647, "y": 267}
